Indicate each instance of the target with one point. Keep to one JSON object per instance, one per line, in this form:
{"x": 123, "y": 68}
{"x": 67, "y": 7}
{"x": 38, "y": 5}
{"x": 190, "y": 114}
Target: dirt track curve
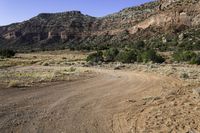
{"x": 110, "y": 102}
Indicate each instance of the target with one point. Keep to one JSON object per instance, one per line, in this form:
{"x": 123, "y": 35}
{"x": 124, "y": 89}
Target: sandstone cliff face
{"x": 73, "y": 27}
{"x": 164, "y": 20}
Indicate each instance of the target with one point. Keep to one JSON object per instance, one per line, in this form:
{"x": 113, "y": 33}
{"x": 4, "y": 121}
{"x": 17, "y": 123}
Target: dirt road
{"x": 111, "y": 102}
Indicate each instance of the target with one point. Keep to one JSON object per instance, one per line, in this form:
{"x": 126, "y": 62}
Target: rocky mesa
{"x": 67, "y": 29}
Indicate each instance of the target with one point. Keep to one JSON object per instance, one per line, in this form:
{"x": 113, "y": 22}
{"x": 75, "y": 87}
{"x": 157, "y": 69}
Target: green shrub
{"x": 138, "y": 45}
{"x": 195, "y": 60}
{"x": 150, "y": 55}
{"x": 111, "y": 54}
{"x": 127, "y": 56}
{"x": 185, "y": 56}
{"x": 6, "y": 53}
{"x": 95, "y": 57}
{"x": 184, "y": 76}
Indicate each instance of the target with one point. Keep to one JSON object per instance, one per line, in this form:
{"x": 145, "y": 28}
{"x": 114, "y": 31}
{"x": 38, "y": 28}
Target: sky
{"x": 12, "y": 11}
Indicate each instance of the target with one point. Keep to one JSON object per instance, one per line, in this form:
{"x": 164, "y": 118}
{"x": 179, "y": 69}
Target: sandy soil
{"x": 111, "y": 102}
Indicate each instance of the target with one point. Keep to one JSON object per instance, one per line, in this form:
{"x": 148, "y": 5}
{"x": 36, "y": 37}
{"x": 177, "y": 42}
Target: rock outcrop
{"x": 10, "y": 35}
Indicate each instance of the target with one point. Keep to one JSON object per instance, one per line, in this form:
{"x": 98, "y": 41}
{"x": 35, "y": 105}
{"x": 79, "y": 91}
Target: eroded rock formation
{"x": 10, "y": 35}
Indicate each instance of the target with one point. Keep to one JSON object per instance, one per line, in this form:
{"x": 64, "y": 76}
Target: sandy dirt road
{"x": 110, "y": 102}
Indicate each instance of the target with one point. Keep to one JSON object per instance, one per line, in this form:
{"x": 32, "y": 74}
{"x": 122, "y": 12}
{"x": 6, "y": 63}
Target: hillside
{"x": 155, "y": 22}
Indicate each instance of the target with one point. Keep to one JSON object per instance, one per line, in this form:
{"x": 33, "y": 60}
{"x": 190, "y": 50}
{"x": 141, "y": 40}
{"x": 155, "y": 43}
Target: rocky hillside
{"x": 150, "y": 21}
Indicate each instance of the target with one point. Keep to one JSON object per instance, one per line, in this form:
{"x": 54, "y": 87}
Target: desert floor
{"x": 95, "y": 100}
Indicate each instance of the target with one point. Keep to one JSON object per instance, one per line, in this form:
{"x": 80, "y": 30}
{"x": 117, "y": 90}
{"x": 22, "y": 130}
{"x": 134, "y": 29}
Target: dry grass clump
{"x": 45, "y": 64}
{"x": 16, "y": 83}
{"x": 184, "y": 76}
{"x": 71, "y": 69}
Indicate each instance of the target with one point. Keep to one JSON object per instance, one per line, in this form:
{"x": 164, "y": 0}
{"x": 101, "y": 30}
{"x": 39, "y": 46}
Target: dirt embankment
{"x": 111, "y": 102}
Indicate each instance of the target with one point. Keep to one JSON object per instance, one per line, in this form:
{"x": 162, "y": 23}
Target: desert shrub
{"x": 139, "y": 45}
{"x": 184, "y": 56}
{"x": 72, "y": 69}
{"x": 127, "y": 56}
{"x": 111, "y": 54}
{"x": 184, "y": 76}
{"x": 185, "y": 45}
{"x": 150, "y": 55}
{"x": 15, "y": 83}
{"x": 45, "y": 64}
{"x": 102, "y": 47}
{"x": 7, "y": 53}
{"x": 195, "y": 60}
{"x": 95, "y": 57}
